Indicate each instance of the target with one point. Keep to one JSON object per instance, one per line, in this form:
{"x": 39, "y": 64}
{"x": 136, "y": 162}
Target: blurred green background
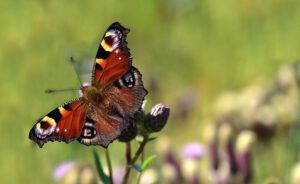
{"x": 207, "y": 46}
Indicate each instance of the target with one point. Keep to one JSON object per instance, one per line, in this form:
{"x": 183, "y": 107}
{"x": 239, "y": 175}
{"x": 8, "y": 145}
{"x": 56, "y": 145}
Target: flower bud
{"x": 244, "y": 144}
{"x": 129, "y": 132}
{"x": 190, "y": 169}
{"x": 157, "y": 118}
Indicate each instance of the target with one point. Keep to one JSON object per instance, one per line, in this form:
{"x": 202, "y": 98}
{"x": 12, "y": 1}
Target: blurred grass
{"x": 207, "y": 45}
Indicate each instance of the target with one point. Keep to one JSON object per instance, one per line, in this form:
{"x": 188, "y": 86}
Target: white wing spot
{"x": 117, "y": 51}
{"x": 65, "y": 130}
{"x": 120, "y": 58}
{"x": 57, "y": 130}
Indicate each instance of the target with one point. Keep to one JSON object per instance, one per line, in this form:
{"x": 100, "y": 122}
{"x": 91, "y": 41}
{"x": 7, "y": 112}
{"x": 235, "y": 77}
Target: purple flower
{"x": 172, "y": 161}
{"x": 193, "y": 151}
{"x": 214, "y": 154}
{"x": 244, "y": 165}
{"x": 118, "y": 175}
{"x": 231, "y": 156}
{"x": 62, "y": 170}
{"x": 157, "y": 118}
{"x": 244, "y": 144}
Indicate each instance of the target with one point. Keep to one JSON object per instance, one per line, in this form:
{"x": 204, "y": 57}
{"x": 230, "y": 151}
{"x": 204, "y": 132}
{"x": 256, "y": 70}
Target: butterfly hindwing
{"x": 132, "y": 91}
{"x": 113, "y": 57}
{"x": 132, "y": 94}
{"x": 100, "y": 131}
{"x": 62, "y": 124}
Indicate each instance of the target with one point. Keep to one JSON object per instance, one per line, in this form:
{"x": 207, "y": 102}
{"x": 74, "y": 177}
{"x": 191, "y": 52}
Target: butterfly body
{"x": 102, "y": 97}
{"x": 107, "y": 107}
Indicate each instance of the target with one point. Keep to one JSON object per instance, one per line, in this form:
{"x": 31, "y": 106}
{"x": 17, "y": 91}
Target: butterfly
{"x": 105, "y": 111}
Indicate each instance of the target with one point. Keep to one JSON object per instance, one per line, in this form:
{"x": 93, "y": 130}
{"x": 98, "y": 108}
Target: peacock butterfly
{"x": 107, "y": 107}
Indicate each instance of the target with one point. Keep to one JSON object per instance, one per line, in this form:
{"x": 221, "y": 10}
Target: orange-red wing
{"x": 132, "y": 91}
{"x": 100, "y": 131}
{"x": 113, "y": 57}
{"x": 62, "y": 124}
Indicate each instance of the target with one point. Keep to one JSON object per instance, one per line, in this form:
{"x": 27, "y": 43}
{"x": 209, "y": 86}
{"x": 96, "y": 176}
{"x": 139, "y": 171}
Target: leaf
{"x": 99, "y": 168}
{"x": 136, "y": 167}
{"x": 151, "y": 139}
{"x": 148, "y": 162}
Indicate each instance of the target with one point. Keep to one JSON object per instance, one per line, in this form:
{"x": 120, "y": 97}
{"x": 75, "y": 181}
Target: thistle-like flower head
{"x": 157, "y": 118}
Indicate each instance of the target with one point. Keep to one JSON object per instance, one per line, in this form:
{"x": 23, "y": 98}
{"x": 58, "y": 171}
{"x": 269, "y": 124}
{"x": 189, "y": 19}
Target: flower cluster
{"x": 248, "y": 118}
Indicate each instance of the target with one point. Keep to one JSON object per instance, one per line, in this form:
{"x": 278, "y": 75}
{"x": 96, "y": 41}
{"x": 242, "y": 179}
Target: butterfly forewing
{"x": 113, "y": 56}
{"x": 62, "y": 124}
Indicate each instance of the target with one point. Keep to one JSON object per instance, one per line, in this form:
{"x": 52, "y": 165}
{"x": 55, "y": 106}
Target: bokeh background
{"x": 199, "y": 57}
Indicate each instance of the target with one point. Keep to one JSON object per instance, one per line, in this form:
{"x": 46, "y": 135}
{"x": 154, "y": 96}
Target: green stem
{"x": 109, "y": 166}
{"x": 143, "y": 156}
{"x": 142, "y": 161}
{"x": 139, "y": 178}
{"x": 134, "y": 159}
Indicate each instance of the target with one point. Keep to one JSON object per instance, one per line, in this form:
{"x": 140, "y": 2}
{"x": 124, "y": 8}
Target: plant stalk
{"x": 109, "y": 166}
{"x": 134, "y": 159}
{"x": 128, "y": 153}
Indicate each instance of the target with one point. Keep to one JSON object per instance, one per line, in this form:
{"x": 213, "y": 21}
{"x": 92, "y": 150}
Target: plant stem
{"x": 128, "y": 153}
{"x": 140, "y": 149}
{"x": 143, "y": 156}
{"x": 134, "y": 159}
{"x": 128, "y": 161}
{"x": 109, "y": 166}
{"x": 142, "y": 161}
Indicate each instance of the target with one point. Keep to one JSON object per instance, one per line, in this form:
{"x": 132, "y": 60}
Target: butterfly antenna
{"x": 72, "y": 62}
{"x": 59, "y": 90}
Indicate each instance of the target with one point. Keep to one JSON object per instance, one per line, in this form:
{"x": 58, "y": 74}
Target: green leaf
{"x": 148, "y": 162}
{"x": 99, "y": 168}
{"x": 151, "y": 139}
{"x": 136, "y": 167}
